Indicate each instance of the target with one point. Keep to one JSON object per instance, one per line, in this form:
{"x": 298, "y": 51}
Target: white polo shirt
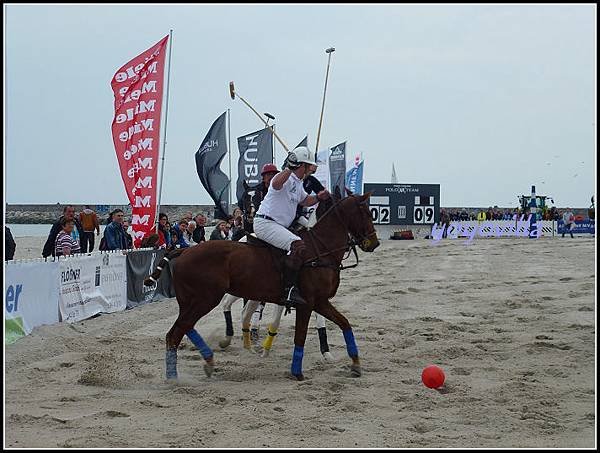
{"x": 281, "y": 204}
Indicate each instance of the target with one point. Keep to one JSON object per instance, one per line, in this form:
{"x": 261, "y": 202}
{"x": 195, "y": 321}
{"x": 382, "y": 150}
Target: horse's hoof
{"x": 355, "y": 371}
{"x": 299, "y": 377}
{"x": 208, "y": 369}
{"x": 257, "y": 349}
{"x": 328, "y": 357}
{"x": 265, "y": 353}
{"x": 225, "y": 342}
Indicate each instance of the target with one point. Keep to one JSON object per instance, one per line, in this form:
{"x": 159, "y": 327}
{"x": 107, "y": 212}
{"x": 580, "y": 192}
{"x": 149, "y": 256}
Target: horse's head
{"x": 355, "y": 212}
{"x": 360, "y": 223}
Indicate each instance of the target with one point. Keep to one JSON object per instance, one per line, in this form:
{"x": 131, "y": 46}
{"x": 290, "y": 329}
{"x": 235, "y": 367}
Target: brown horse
{"x": 203, "y": 274}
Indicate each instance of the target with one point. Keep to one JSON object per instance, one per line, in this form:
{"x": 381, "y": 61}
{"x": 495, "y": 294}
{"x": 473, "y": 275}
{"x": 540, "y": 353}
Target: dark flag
{"x": 304, "y": 142}
{"x": 337, "y": 168}
{"x": 208, "y": 161}
{"x": 256, "y": 149}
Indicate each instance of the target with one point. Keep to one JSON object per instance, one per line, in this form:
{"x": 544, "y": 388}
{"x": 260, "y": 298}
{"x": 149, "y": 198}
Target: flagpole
{"x": 229, "y": 145}
{"x": 164, "y": 146}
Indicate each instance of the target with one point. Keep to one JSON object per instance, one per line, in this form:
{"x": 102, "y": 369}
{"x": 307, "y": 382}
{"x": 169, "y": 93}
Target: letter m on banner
{"x": 138, "y": 91}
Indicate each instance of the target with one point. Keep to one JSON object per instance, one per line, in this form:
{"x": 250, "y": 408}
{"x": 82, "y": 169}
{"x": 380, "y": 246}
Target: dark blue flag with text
{"x": 208, "y": 162}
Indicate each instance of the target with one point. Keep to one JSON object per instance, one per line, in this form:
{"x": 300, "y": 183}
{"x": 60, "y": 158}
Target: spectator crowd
{"x": 73, "y": 233}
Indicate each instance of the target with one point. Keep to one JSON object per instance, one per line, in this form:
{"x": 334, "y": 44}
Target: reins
{"x": 349, "y": 247}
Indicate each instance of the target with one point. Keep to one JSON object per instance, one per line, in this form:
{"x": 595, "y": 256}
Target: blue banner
{"x": 354, "y": 178}
{"x": 580, "y": 227}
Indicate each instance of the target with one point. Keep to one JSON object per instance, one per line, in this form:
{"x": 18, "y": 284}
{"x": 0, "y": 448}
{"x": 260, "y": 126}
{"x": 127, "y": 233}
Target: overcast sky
{"x": 483, "y": 100}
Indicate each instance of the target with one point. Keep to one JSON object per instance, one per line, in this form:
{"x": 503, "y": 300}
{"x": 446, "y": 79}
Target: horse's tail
{"x": 153, "y": 278}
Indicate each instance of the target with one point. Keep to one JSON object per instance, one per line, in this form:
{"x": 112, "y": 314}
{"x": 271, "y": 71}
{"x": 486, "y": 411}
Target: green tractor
{"x": 540, "y": 200}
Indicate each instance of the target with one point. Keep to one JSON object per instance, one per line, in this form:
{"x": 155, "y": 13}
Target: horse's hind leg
{"x": 173, "y": 339}
{"x": 184, "y": 325}
{"x": 330, "y": 312}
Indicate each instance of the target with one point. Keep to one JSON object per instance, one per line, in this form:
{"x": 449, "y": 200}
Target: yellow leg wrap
{"x": 246, "y": 337}
{"x": 268, "y": 342}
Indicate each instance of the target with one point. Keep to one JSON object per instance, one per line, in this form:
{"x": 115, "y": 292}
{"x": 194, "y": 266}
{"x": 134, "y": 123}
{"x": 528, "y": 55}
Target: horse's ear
{"x": 337, "y": 193}
{"x": 365, "y": 197}
{"x": 348, "y": 192}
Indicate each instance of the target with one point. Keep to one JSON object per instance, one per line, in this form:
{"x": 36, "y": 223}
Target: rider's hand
{"x": 323, "y": 195}
{"x": 291, "y": 161}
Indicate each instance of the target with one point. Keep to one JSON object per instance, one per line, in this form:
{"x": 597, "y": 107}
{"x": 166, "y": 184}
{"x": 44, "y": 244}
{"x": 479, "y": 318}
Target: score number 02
{"x": 380, "y": 214}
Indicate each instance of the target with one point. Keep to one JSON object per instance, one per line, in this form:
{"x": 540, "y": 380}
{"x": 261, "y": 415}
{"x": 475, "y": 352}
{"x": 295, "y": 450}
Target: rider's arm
{"x": 280, "y": 179}
{"x": 309, "y": 201}
{"x": 314, "y": 199}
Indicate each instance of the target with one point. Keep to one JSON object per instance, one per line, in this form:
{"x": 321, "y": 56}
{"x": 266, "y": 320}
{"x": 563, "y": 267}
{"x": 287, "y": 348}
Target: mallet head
{"x": 268, "y": 115}
{"x": 331, "y": 49}
{"x": 231, "y": 90}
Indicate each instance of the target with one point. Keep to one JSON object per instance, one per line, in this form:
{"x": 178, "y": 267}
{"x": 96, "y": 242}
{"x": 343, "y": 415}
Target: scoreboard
{"x": 404, "y": 204}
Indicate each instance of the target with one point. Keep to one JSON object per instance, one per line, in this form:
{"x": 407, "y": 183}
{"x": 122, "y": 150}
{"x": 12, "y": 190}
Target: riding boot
{"x": 292, "y": 267}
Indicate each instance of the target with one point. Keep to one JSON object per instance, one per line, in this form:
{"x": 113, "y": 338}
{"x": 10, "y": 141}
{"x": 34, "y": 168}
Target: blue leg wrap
{"x": 350, "y": 343}
{"x": 171, "y": 363}
{"x": 297, "y": 360}
{"x": 200, "y": 344}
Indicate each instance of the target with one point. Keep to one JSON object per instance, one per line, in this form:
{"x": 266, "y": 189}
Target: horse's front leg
{"x": 302, "y": 317}
{"x": 272, "y": 330}
{"x": 247, "y": 313}
{"x": 227, "y": 302}
{"x": 330, "y": 312}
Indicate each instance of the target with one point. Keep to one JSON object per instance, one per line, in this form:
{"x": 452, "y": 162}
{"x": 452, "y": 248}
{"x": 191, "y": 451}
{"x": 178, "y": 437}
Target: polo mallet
{"x": 329, "y": 52}
{"x": 233, "y": 93}
{"x": 271, "y": 117}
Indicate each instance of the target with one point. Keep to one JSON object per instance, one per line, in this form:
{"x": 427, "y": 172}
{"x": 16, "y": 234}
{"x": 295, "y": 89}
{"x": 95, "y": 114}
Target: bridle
{"x": 362, "y": 241}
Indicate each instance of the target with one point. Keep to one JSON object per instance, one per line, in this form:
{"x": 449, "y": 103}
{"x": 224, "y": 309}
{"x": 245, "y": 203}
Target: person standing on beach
{"x": 65, "y": 243}
{"x": 164, "y": 231}
{"x": 115, "y": 234}
{"x": 77, "y": 232}
{"x": 569, "y": 222}
{"x": 89, "y": 222}
{"x": 10, "y": 246}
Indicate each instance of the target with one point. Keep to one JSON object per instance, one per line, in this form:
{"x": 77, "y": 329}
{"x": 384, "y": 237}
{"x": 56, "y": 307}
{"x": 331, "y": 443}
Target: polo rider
{"x": 277, "y": 212}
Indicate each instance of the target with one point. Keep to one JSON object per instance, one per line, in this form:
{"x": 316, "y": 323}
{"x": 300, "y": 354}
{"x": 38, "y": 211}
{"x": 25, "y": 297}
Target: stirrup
{"x": 292, "y": 300}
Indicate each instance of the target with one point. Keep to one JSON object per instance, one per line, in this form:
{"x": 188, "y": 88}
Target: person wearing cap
{"x": 267, "y": 173}
{"x": 277, "y": 212}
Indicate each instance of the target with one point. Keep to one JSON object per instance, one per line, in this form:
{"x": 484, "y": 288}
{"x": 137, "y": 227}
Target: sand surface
{"x": 511, "y": 321}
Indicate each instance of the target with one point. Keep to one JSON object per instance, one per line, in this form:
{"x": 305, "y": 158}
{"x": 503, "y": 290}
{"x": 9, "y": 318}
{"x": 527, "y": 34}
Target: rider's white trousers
{"x": 273, "y": 233}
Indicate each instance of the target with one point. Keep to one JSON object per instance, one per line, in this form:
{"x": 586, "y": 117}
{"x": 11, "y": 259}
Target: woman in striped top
{"x": 65, "y": 244}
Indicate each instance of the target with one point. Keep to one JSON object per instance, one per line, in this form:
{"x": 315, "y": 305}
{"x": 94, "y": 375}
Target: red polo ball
{"x": 433, "y": 377}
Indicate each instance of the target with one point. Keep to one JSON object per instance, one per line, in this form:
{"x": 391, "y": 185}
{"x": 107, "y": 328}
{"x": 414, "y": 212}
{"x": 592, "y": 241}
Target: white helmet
{"x": 303, "y": 155}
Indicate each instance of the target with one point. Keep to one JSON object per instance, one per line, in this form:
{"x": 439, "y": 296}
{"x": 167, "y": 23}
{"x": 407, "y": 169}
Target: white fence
{"x": 69, "y": 289}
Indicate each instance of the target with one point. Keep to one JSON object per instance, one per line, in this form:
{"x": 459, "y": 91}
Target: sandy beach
{"x": 511, "y": 321}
